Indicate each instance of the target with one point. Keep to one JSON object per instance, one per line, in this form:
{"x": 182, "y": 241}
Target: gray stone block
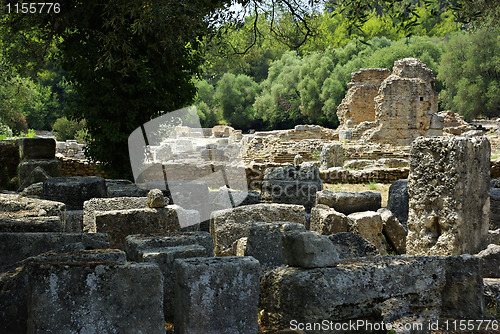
{"x": 352, "y": 246}
{"x": 264, "y": 242}
{"x": 326, "y": 221}
{"x": 37, "y": 175}
{"x": 393, "y": 230}
{"x": 398, "y": 200}
{"x": 462, "y": 295}
{"x": 490, "y": 261}
{"x": 74, "y": 221}
{"x": 124, "y": 188}
{"x": 164, "y": 258}
{"x": 494, "y": 209}
{"x": 494, "y": 237}
{"x": 108, "y": 204}
{"x": 332, "y": 155}
{"x": 135, "y": 245}
{"x": 73, "y": 191}
{"x": 291, "y": 185}
{"x": 492, "y": 294}
{"x": 351, "y": 291}
{"x": 15, "y": 247}
{"x": 448, "y": 185}
{"x": 95, "y": 297}
{"x": 309, "y": 250}
{"x": 30, "y": 224}
{"x": 229, "y": 225}
{"x": 14, "y": 284}
{"x": 217, "y": 295}
{"x": 348, "y": 203}
{"x": 118, "y": 224}
{"x": 37, "y": 148}
{"x": 51, "y": 167}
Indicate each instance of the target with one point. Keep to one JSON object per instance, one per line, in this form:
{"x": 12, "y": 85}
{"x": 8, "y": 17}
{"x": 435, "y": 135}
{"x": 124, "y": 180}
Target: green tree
{"x": 235, "y": 95}
{"x": 470, "y": 74}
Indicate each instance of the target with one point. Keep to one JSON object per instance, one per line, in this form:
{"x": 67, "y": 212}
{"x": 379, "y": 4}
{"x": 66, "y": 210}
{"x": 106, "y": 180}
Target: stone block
{"x": 332, "y": 155}
{"x": 155, "y": 199}
{"x": 345, "y": 135}
{"x": 448, "y": 188}
{"x": 9, "y": 160}
{"x": 73, "y": 191}
{"x": 264, "y": 242}
{"x": 37, "y": 148}
{"x": 135, "y": 245}
{"x": 494, "y": 209}
{"x": 30, "y": 224}
{"x": 462, "y": 295}
{"x": 124, "y": 188}
{"x": 490, "y": 261}
{"x": 351, "y": 291}
{"x": 240, "y": 246}
{"x": 52, "y": 167}
{"x": 393, "y": 230}
{"x": 34, "y": 191}
{"x": 369, "y": 225}
{"x": 208, "y": 291}
{"x": 108, "y": 204}
{"x": 348, "y": 203}
{"x": 74, "y": 221}
{"x": 14, "y": 284}
{"x": 37, "y": 175}
{"x": 229, "y": 225}
{"x": 164, "y": 258}
{"x": 398, "y": 200}
{"x": 118, "y": 224}
{"x": 95, "y": 297}
{"x": 326, "y": 221}
{"x": 15, "y": 247}
{"x": 291, "y": 185}
{"x": 309, "y": 250}
{"x": 494, "y": 237}
{"x": 492, "y": 294}
{"x": 352, "y": 246}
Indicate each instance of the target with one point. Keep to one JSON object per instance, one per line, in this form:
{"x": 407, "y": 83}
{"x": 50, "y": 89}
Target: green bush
{"x": 5, "y": 131}
{"x": 65, "y": 129}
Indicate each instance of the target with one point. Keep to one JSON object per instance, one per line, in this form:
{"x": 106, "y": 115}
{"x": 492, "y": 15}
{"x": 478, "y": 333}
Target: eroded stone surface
{"x": 351, "y": 246}
{"x": 448, "y": 188}
{"x": 309, "y": 250}
{"x": 326, "y": 220}
{"x": 348, "y": 203}
{"x": 369, "y": 225}
{"x": 393, "y": 230}
{"x": 490, "y": 261}
{"x": 73, "y": 191}
{"x": 398, "y": 201}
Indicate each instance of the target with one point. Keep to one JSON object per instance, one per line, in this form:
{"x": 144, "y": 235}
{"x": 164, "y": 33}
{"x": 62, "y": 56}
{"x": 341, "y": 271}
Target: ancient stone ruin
{"x": 391, "y": 109}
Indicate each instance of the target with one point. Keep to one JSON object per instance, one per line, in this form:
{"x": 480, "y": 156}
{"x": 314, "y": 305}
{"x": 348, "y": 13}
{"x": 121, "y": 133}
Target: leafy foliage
{"x": 65, "y": 129}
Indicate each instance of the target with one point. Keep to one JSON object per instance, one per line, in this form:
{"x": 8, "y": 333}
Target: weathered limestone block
{"x": 326, "y": 221}
{"x": 351, "y": 291}
{"x": 108, "y": 204}
{"x": 494, "y": 237}
{"x": 164, "y": 257}
{"x": 229, "y": 225}
{"x": 51, "y": 167}
{"x": 73, "y": 191}
{"x": 359, "y": 164}
{"x": 221, "y": 199}
{"x": 30, "y": 224}
{"x": 393, "y": 230}
{"x": 454, "y": 123}
{"x": 37, "y": 148}
{"x": 490, "y": 261}
{"x": 291, "y": 185}
{"x": 492, "y": 294}
{"x": 348, "y": 203}
{"x": 9, "y": 160}
{"x": 398, "y": 200}
{"x": 34, "y": 191}
{"x": 118, "y": 224}
{"x": 15, "y": 247}
{"x": 37, "y": 175}
{"x": 369, "y": 225}
{"x": 464, "y": 286}
{"x": 138, "y": 244}
{"x": 358, "y": 104}
{"x": 14, "y": 284}
{"x": 494, "y": 209}
{"x": 240, "y": 246}
{"x": 155, "y": 199}
{"x": 332, "y": 155}
{"x": 95, "y": 297}
{"x": 352, "y": 246}
{"x": 309, "y": 250}
{"x": 74, "y": 221}
{"x": 448, "y": 188}
{"x": 217, "y": 295}
{"x": 124, "y": 188}
{"x": 264, "y": 242}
